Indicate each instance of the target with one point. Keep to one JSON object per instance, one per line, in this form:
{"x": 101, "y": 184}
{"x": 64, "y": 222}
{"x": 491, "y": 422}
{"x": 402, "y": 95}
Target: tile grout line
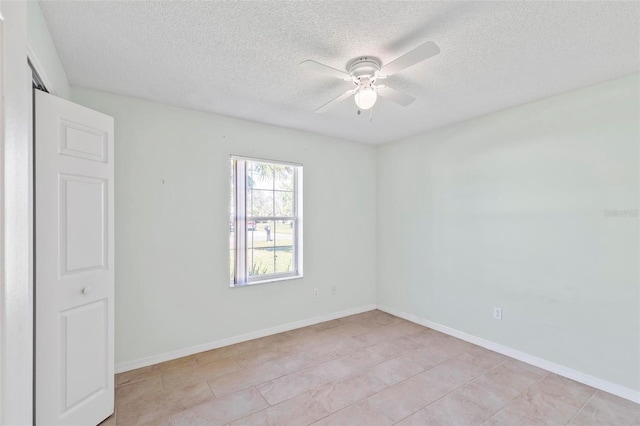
{"x": 211, "y": 390}
{"x": 435, "y": 365}
{"x": 170, "y": 420}
{"x": 453, "y": 390}
{"x": 116, "y": 385}
{"x": 516, "y": 397}
{"x": 251, "y": 414}
{"x": 263, "y": 398}
{"x": 512, "y": 399}
{"x": 583, "y": 405}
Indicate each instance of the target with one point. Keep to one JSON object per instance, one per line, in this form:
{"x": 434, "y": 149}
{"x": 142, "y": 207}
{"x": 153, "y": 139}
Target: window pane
{"x": 251, "y": 268}
{"x": 284, "y": 246}
{"x": 283, "y": 178}
{"x": 260, "y": 202}
{"x": 262, "y": 260}
{"x": 252, "y": 227}
{"x": 283, "y": 203}
{"x": 261, "y": 263}
{"x": 260, "y": 175}
{"x": 232, "y": 266}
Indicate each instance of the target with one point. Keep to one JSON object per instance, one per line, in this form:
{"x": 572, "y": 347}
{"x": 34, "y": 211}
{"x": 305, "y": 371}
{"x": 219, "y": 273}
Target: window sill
{"x": 267, "y": 281}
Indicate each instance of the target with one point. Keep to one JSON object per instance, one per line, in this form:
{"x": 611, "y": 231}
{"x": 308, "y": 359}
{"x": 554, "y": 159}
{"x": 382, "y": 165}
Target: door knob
{"x": 86, "y": 290}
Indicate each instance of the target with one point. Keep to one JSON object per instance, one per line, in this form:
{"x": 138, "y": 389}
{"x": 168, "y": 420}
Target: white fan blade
{"x": 395, "y": 96}
{"x": 325, "y": 69}
{"x": 334, "y": 101}
{"x": 420, "y": 53}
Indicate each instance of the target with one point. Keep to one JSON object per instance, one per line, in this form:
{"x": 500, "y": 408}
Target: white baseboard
{"x": 603, "y": 385}
{"x": 168, "y": 356}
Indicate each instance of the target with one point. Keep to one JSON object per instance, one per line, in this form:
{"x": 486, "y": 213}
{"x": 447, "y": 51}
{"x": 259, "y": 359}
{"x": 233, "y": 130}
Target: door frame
{"x": 16, "y": 346}
{"x": 36, "y": 84}
{"x": 16, "y": 218}
{"x": 2, "y": 262}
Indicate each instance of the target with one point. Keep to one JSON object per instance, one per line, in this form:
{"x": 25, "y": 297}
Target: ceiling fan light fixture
{"x": 363, "y": 71}
{"x": 366, "y": 97}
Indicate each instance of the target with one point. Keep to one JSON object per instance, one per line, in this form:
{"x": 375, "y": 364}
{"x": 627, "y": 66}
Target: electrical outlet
{"x": 334, "y": 290}
{"x": 316, "y": 292}
{"x": 497, "y": 313}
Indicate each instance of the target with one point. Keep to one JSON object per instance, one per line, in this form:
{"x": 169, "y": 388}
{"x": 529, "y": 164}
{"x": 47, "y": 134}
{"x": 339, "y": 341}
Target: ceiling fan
{"x": 364, "y": 71}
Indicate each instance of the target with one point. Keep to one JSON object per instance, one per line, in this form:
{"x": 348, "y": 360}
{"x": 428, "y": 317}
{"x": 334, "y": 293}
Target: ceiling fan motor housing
{"x": 364, "y": 66}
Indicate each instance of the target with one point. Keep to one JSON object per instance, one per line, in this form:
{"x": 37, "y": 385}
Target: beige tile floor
{"x": 367, "y": 369}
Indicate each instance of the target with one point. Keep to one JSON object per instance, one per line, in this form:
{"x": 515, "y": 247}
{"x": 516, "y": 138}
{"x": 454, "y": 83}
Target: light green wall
{"x": 172, "y": 261}
{"x": 508, "y": 210}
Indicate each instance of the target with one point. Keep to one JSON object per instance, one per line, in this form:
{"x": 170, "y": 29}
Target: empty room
{"x": 320, "y": 212}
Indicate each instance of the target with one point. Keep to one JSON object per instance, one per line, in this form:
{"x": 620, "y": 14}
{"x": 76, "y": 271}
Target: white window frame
{"x": 241, "y": 276}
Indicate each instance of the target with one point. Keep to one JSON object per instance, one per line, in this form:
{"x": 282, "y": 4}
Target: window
{"x": 265, "y": 222}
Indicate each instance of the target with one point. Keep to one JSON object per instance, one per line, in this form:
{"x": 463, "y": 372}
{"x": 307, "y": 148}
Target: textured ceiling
{"x": 241, "y": 59}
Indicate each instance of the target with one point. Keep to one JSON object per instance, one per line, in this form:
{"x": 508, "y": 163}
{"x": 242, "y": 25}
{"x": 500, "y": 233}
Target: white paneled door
{"x": 74, "y": 276}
